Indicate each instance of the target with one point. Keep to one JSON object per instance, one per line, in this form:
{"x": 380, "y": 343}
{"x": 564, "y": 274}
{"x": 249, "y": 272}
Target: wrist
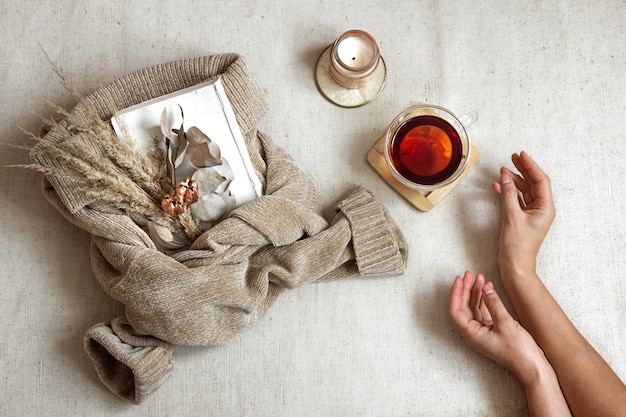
{"x": 534, "y": 374}
{"x": 543, "y": 392}
{"x": 513, "y": 267}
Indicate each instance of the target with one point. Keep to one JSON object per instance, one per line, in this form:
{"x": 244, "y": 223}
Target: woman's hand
{"x": 528, "y": 212}
{"x": 488, "y": 328}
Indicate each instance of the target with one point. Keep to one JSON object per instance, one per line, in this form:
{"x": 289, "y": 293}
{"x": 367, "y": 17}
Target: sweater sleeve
{"x": 362, "y": 239}
{"x": 132, "y": 366}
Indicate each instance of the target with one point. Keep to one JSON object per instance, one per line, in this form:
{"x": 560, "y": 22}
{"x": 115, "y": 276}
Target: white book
{"x": 207, "y": 107}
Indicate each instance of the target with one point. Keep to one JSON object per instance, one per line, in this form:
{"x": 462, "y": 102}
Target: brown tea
{"x": 426, "y": 150}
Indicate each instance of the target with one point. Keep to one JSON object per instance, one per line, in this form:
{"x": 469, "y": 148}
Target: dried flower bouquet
{"x": 118, "y": 175}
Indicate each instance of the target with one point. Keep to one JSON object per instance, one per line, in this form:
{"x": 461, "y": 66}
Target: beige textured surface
{"x": 547, "y": 77}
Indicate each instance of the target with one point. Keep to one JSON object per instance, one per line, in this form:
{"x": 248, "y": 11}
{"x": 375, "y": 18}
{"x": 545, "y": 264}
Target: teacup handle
{"x": 468, "y": 118}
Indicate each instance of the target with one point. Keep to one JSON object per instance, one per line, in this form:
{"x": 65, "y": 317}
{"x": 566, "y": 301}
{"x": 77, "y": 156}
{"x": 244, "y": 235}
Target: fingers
{"x": 466, "y": 301}
{"x": 476, "y": 302}
{"x": 476, "y": 295}
{"x": 459, "y": 306}
{"x": 534, "y": 176}
{"x": 528, "y": 167}
{"x": 508, "y": 192}
{"x": 521, "y": 184}
{"x": 455, "y": 304}
{"x": 494, "y": 304}
{"x": 532, "y": 183}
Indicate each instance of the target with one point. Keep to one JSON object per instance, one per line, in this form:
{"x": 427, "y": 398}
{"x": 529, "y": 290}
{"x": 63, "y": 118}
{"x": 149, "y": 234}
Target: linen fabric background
{"x": 547, "y": 77}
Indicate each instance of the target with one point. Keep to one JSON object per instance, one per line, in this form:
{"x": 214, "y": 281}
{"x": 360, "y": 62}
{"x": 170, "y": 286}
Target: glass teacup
{"x": 427, "y": 147}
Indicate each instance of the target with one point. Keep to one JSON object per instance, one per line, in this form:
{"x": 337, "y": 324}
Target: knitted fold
{"x": 229, "y": 277}
{"x": 378, "y": 243}
{"x": 130, "y": 365}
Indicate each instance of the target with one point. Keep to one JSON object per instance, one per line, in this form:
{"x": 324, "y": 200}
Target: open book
{"x": 207, "y": 108}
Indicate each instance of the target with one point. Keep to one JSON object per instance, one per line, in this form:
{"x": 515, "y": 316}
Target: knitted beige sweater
{"x": 234, "y": 271}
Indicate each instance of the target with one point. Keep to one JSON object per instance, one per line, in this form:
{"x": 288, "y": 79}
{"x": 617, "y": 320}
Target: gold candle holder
{"x": 351, "y": 72}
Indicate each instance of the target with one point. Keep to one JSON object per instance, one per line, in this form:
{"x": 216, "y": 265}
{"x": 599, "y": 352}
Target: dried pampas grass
{"x": 85, "y": 150}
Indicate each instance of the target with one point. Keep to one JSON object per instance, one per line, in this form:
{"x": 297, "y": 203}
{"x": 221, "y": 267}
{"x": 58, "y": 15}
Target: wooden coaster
{"x": 423, "y": 201}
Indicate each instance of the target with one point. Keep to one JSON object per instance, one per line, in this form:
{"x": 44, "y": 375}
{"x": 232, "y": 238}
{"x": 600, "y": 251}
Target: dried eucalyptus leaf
{"x": 203, "y": 155}
{"x": 164, "y": 239}
{"x": 225, "y": 171}
{"x": 212, "y": 207}
{"x": 165, "y": 129}
{"x": 169, "y": 164}
{"x": 229, "y": 200}
{"x": 181, "y": 154}
{"x": 223, "y": 187}
{"x": 209, "y": 180}
{"x": 181, "y": 131}
{"x": 195, "y": 136}
{"x": 209, "y": 207}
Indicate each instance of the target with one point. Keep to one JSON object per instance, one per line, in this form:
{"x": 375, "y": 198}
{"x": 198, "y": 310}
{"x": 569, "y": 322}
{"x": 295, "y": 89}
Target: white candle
{"x": 354, "y": 58}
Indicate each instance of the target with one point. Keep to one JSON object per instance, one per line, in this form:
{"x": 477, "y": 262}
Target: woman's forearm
{"x": 588, "y": 382}
{"x": 543, "y": 394}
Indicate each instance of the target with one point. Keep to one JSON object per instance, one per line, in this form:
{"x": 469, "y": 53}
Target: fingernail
{"x": 505, "y": 178}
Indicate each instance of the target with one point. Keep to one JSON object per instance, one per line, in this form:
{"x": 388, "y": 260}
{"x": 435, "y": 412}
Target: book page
{"x": 207, "y": 107}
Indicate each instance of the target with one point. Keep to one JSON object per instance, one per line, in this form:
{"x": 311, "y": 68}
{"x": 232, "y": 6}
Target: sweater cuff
{"x": 132, "y": 366}
{"x": 379, "y": 245}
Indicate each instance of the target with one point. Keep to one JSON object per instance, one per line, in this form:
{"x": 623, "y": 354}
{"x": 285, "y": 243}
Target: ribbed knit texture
{"x": 234, "y": 271}
{"x": 130, "y": 365}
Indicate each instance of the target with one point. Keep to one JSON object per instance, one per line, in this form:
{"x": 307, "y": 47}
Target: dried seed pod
{"x": 186, "y": 192}
{"x": 179, "y": 192}
{"x": 171, "y": 206}
{"x": 191, "y": 195}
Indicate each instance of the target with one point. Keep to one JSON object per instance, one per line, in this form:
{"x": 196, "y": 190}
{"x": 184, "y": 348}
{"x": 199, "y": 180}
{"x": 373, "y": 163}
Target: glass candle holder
{"x": 354, "y": 57}
{"x": 351, "y": 72}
